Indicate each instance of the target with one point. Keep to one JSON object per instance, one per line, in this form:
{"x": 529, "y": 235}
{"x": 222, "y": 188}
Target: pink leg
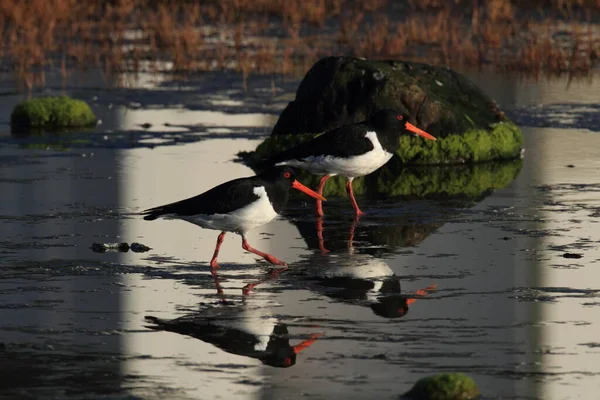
{"x": 320, "y": 191}
{"x": 350, "y": 192}
{"x": 213, "y": 261}
{"x": 266, "y": 256}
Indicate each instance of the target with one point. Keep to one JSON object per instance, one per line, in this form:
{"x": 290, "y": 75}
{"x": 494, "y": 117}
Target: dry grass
{"x": 286, "y": 37}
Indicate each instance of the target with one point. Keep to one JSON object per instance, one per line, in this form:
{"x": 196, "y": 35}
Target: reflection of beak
{"x": 420, "y": 132}
{"x": 297, "y": 185}
{"x": 307, "y": 343}
{"x": 421, "y": 293}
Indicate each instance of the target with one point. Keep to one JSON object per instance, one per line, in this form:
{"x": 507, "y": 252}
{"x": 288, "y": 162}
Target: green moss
{"x": 470, "y": 181}
{"x": 502, "y": 142}
{"x": 446, "y": 386}
{"x": 51, "y": 113}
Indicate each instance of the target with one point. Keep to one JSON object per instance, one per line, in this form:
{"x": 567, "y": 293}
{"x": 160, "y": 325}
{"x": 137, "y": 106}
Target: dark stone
{"x": 343, "y": 90}
{"x": 139, "y": 248}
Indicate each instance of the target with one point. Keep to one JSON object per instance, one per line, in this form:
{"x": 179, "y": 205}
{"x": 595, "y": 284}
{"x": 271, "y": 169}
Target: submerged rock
{"x": 51, "y": 113}
{"x": 104, "y": 247}
{"x": 343, "y": 90}
{"x": 446, "y": 386}
{"x": 139, "y": 247}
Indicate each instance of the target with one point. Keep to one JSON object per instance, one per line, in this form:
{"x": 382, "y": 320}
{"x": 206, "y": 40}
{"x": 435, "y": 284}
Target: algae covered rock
{"x": 467, "y": 181}
{"x": 446, "y": 386}
{"x": 51, "y": 113}
{"x": 343, "y": 90}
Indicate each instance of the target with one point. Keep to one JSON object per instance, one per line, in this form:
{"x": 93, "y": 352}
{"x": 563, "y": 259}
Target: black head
{"x": 282, "y": 357}
{"x": 278, "y": 182}
{"x": 282, "y": 177}
{"x": 391, "y": 124}
{"x": 389, "y": 120}
{"x": 390, "y": 306}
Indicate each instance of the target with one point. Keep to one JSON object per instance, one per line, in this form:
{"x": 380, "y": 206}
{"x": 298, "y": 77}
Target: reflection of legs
{"x": 266, "y": 256}
{"x": 350, "y": 192}
{"x": 273, "y": 274}
{"x": 351, "y": 233}
{"x": 320, "y": 235}
{"x": 218, "y": 285}
{"x": 213, "y": 261}
{"x": 320, "y": 191}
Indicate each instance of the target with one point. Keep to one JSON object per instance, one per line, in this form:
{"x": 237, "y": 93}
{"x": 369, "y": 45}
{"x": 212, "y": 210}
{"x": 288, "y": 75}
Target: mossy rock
{"x": 343, "y": 90}
{"x": 419, "y": 181}
{"x": 446, "y": 386}
{"x": 51, "y": 113}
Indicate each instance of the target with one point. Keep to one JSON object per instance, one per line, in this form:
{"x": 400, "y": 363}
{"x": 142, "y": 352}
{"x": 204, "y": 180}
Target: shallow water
{"x": 483, "y": 286}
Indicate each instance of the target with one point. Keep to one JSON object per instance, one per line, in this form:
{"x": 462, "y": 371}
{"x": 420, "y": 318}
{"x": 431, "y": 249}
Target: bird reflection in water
{"x": 360, "y": 279}
{"x": 240, "y": 328}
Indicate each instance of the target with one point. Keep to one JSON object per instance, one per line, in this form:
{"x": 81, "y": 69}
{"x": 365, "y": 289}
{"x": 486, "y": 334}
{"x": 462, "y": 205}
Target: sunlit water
{"x": 480, "y": 287}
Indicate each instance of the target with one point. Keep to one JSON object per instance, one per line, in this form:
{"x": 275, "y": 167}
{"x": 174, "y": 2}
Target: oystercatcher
{"x": 264, "y": 340}
{"x": 362, "y": 280}
{"x": 247, "y": 329}
{"x": 237, "y": 206}
{"x": 350, "y": 151}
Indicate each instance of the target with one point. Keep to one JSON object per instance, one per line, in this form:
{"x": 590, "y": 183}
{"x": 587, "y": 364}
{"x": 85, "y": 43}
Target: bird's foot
{"x": 246, "y": 290}
{"x": 275, "y": 261}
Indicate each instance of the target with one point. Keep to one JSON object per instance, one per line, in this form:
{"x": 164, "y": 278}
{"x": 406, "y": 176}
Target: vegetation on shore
{"x": 287, "y": 37}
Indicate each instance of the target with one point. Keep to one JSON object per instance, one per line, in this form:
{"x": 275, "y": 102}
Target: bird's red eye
{"x": 288, "y": 361}
{"x": 400, "y": 117}
{"x": 287, "y": 175}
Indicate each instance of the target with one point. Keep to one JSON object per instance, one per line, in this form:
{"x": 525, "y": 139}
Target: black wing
{"x": 222, "y": 199}
{"x": 340, "y": 142}
{"x": 208, "y": 330}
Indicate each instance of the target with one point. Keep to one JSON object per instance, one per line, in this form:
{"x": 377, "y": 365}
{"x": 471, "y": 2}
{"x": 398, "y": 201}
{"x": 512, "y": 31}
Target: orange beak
{"x": 420, "y": 132}
{"x": 297, "y": 185}
{"x": 307, "y": 343}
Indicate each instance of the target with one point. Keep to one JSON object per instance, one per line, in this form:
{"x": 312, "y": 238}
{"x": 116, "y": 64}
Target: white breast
{"x": 351, "y": 167}
{"x": 357, "y": 266}
{"x": 254, "y": 322}
{"x": 242, "y": 220}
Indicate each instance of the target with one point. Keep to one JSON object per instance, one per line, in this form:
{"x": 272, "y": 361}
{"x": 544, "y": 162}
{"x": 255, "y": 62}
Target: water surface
{"x": 414, "y": 287}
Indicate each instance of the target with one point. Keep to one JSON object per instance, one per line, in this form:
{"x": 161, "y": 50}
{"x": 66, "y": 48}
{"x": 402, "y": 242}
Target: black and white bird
{"x": 361, "y": 280}
{"x": 241, "y": 331}
{"x": 237, "y": 206}
{"x": 350, "y": 151}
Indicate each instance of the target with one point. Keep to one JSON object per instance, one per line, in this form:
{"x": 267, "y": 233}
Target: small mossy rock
{"x": 51, "y": 113}
{"x": 341, "y": 90}
{"x": 446, "y": 386}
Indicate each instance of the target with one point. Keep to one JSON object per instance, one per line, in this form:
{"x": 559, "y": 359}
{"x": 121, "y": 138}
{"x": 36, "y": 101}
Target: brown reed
{"x": 185, "y": 37}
